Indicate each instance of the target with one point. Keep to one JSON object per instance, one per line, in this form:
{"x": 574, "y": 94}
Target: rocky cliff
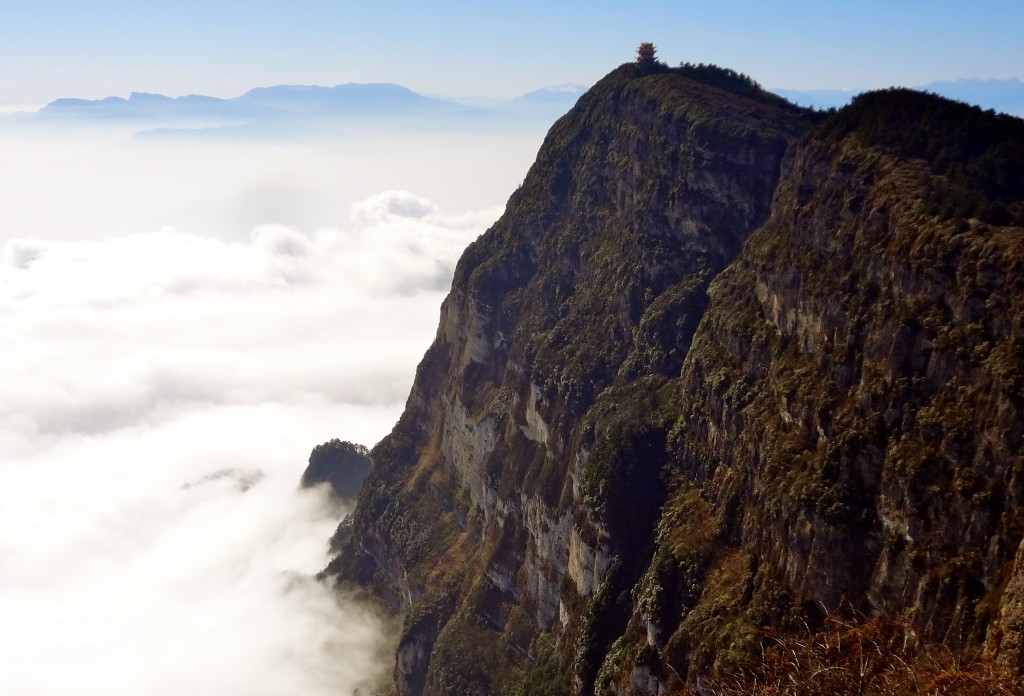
{"x": 723, "y": 364}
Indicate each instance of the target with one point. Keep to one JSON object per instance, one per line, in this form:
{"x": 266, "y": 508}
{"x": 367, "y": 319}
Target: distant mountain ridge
{"x": 269, "y": 109}
{"x": 285, "y": 108}
{"x": 140, "y": 106}
{"x": 1006, "y": 96}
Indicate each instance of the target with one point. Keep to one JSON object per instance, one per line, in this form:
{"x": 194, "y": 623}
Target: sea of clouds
{"x": 161, "y": 393}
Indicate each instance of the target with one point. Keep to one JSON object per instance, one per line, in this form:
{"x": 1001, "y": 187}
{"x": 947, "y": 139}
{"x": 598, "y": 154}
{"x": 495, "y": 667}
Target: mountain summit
{"x": 725, "y": 372}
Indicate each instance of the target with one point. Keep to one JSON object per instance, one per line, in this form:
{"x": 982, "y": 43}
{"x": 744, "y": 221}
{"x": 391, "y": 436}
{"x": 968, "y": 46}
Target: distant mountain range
{"x": 1006, "y": 96}
{"x": 287, "y": 108}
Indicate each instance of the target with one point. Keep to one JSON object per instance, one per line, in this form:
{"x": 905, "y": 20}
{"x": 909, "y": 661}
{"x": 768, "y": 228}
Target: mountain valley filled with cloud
{"x": 182, "y": 324}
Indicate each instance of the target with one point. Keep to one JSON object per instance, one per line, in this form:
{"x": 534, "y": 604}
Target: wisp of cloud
{"x": 162, "y": 391}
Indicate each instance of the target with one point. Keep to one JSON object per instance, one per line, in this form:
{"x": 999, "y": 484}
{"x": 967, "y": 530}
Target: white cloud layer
{"x": 97, "y": 183}
{"x": 161, "y": 394}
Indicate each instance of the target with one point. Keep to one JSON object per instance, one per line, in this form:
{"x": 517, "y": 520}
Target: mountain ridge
{"x": 280, "y": 109}
{"x": 1003, "y": 95}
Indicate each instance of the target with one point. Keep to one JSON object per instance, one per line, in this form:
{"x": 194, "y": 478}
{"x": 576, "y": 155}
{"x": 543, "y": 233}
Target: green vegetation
{"x": 722, "y": 78}
{"x": 546, "y": 676}
{"x": 977, "y": 155}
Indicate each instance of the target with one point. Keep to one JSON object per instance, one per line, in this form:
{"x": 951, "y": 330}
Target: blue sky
{"x": 53, "y": 48}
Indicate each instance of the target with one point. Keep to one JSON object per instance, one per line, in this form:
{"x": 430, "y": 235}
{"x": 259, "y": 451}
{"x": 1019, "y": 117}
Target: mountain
{"x": 727, "y": 373}
{"x": 143, "y": 108}
{"x": 297, "y": 109}
{"x": 261, "y": 112}
{"x": 1006, "y": 96}
{"x": 556, "y": 98}
{"x": 559, "y": 98}
{"x": 345, "y": 100}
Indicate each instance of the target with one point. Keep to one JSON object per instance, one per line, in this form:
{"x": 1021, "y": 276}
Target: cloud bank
{"x": 97, "y": 183}
{"x": 161, "y": 394}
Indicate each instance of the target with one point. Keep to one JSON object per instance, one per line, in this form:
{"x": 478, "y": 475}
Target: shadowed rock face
{"x": 717, "y": 367}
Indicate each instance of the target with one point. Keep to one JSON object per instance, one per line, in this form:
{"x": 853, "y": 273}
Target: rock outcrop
{"x": 723, "y": 364}
{"x": 341, "y": 464}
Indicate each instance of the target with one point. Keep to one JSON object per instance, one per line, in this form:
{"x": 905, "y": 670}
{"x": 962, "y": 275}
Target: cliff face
{"x": 640, "y": 436}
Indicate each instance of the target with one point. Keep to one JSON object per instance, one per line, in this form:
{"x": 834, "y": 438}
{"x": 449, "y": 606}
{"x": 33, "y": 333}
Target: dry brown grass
{"x": 867, "y": 658}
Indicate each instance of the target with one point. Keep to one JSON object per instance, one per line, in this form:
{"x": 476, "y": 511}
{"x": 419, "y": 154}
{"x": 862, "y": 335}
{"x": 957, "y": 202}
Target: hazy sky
{"x": 54, "y": 48}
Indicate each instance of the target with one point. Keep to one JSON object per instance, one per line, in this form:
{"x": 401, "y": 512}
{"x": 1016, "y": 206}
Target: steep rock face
{"x": 472, "y": 521}
{"x": 639, "y": 436}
